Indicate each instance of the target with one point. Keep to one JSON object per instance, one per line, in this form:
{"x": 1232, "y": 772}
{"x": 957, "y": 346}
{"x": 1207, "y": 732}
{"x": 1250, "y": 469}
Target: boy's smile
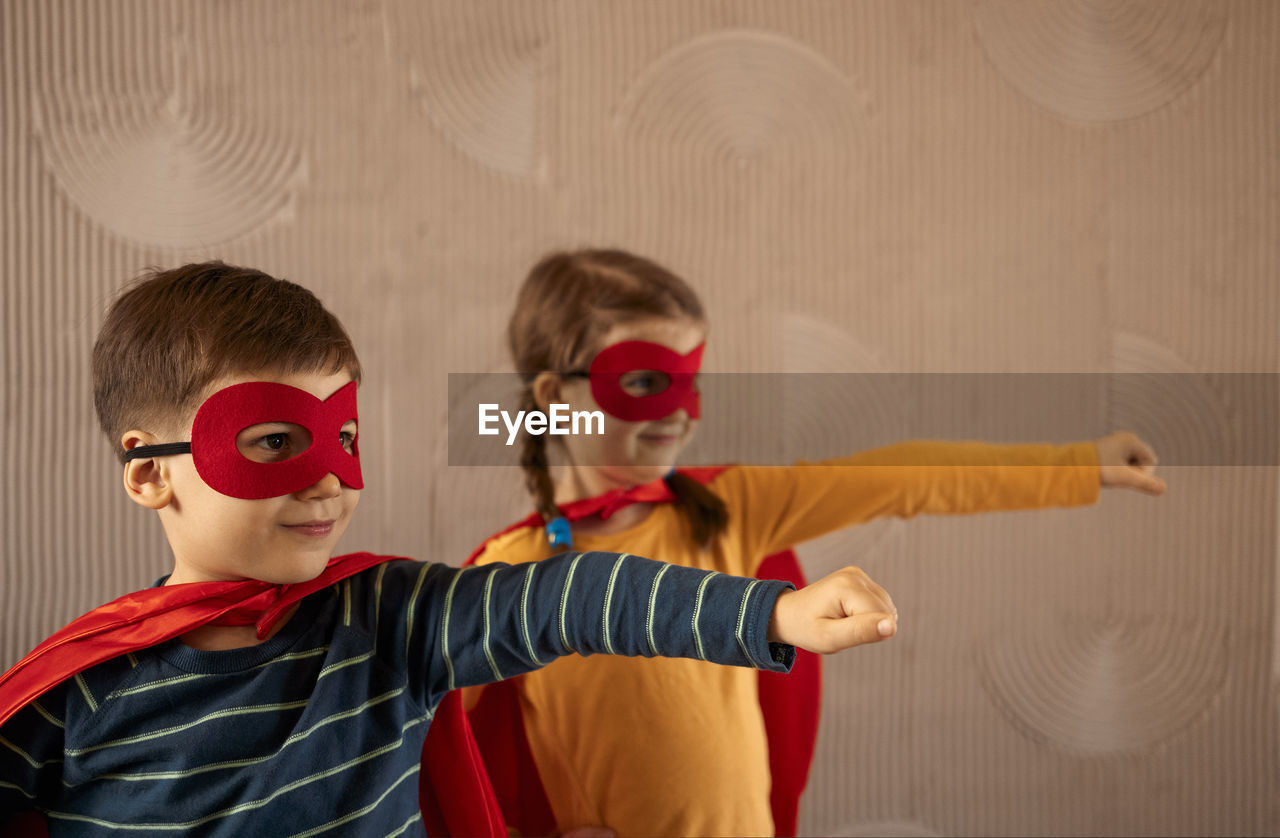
{"x": 282, "y": 539}
{"x": 313, "y": 529}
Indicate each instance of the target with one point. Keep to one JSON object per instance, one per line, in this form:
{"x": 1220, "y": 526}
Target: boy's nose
{"x": 328, "y": 486}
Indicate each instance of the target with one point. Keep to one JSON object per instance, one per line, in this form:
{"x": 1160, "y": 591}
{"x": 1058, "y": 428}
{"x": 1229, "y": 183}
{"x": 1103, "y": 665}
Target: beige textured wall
{"x": 899, "y": 185}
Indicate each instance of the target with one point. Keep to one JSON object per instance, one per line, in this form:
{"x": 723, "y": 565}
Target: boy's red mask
{"x": 679, "y": 371}
{"x": 232, "y": 409}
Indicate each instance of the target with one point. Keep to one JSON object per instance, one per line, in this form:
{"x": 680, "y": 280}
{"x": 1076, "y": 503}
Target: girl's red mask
{"x": 676, "y": 387}
{"x": 232, "y": 409}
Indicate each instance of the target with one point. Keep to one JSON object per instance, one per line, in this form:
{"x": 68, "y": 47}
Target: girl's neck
{"x": 624, "y": 519}
{"x": 578, "y": 483}
{"x": 582, "y": 483}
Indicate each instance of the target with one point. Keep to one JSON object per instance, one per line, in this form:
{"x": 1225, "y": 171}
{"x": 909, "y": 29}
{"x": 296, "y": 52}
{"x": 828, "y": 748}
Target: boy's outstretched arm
{"x": 1126, "y": 462}
{"x": 478, "y": 625}
{"x": 842, "y": 609}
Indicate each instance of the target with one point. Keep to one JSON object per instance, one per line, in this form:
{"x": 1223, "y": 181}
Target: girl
{"x": 608, "y": 330}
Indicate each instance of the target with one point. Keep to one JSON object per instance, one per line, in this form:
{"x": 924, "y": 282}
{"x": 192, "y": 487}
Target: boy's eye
{"x": 277, "y": 446}
{"x": 273, "y": 441}
{"x": 348, "y": 441}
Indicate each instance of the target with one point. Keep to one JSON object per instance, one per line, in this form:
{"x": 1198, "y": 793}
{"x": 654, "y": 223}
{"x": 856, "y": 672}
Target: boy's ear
{"x": 546, "y": 390}
{"x": 145, "y": 479}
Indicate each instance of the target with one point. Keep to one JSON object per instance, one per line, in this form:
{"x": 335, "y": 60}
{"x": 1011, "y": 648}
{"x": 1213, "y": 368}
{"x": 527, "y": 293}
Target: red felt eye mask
{"x": 231, "y": 410}
{"x": 675, "y": 374}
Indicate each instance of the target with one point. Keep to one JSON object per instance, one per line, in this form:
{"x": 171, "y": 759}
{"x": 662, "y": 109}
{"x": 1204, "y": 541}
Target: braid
{"x": 537, "y": 474}
{"x": 705, "y": 511}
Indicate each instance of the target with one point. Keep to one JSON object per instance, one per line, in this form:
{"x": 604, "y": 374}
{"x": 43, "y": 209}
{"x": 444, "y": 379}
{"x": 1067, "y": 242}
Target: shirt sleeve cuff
{"x": 763, "y": 654}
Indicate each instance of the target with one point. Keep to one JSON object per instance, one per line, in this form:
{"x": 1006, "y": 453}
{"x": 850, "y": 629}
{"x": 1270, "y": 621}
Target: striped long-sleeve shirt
{"x": 318, "y": 730}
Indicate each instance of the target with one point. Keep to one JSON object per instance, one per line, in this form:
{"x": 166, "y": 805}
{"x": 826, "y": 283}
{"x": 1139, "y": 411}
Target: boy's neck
{"x": 212, "y": 638}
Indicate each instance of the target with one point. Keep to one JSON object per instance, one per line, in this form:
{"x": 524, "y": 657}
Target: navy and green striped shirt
{"x": 319, "y": 730}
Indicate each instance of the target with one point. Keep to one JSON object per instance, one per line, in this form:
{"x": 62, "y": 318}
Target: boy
{"x": 266, "y": 688}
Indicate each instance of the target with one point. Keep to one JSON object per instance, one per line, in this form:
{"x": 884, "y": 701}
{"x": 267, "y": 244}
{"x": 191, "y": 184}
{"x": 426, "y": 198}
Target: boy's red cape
{"x": 454, "y": 792}
{"x": 790, "y": 703}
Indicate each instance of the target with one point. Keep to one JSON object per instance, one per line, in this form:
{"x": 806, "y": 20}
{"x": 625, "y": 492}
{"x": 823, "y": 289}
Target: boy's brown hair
{"x": 173, "y": 332}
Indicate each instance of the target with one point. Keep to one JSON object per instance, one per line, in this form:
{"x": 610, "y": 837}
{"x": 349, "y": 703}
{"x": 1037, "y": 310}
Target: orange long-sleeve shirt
{"x": 677, "y": 747}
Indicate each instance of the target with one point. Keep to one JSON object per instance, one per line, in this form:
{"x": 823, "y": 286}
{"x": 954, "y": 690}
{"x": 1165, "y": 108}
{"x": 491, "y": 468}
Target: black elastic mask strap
{"x": 148, "y": 451}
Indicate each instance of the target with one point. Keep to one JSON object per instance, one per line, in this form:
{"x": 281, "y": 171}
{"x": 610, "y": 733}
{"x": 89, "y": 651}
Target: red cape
{"x": 790, "y": 704}
{"x": 454, "y": 792}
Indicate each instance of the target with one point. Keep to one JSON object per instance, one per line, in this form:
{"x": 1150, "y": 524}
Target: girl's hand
{"x": 1126, "y": 461}
{"x": 840, "y": 610}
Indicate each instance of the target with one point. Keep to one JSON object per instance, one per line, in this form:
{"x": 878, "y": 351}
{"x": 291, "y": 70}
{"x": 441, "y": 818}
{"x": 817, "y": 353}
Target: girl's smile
{"x": 666, "y": 434}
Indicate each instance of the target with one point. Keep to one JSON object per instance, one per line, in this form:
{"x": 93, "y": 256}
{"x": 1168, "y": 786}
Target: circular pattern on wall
{"x": 838, "y": 400}
{"x": 480, "y": 88}
{"x": 1106, "y": 686}
{"x": 1163, "y": 399}
{"x": 1101, "y": 60}
{"x": 838, "y": 396}
{"x": 163, "y": 173}
{"x": 737, "y": 95}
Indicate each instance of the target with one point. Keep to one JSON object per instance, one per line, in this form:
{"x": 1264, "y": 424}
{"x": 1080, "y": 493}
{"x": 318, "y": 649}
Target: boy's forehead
{"x": 322, "y": 385}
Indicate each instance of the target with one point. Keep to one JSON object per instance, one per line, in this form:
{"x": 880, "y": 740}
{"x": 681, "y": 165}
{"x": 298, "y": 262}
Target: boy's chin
{"x": 303, "y": 570}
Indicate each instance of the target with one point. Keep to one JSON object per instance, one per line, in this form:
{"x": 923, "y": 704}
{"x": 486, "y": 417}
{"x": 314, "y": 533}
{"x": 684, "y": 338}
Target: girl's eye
{"x": 644, "y": 382}
{"x": 274, "y": 441}
{"x": 348, "y": 440}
